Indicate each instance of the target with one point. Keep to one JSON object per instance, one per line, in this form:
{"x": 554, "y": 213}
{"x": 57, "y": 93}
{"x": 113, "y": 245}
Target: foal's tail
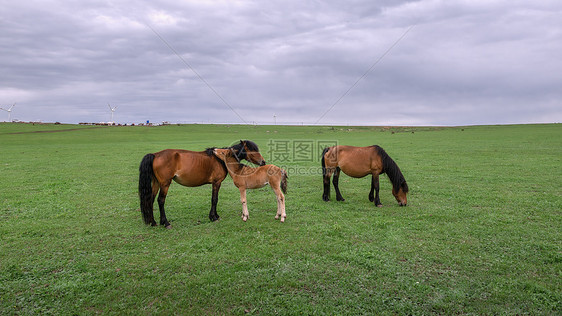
{"x": 146, "y": 174}
{"x": 284, "y": 181}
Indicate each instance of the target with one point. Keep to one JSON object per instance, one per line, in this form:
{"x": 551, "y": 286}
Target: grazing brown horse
{"x": 188, "y": 168}
{"x": 358, "y": 162}
{"x": 245, "y": 177}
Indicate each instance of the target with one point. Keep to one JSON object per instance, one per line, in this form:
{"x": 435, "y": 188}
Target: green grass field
{"x": 482, "y": 232}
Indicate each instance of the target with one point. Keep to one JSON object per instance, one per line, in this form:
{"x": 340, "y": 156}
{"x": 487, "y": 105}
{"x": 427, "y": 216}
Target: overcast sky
{"x": 368, "y": 62}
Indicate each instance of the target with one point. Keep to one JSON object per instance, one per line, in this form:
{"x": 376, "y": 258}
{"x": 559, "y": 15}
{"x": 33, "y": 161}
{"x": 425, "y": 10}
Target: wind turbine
{"x": 274, "y": 119}
{"x": 112, "y": 110}
{"x": 9, "y": 112}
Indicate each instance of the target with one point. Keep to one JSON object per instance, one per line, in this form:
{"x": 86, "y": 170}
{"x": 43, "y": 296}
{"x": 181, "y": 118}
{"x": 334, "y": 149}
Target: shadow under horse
{"x": 358, "y": 162}
{"x": 188, "y": 168}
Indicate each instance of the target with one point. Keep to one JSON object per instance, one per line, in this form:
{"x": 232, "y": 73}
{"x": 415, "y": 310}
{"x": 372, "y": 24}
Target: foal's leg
{"x": 213, "y": 216}
{"x": 336, "y": 184}
{"x": 375, "y": 187}
{"x": 327, "y": 174}
{"x": 161, "y": 200}
{"x": 280, "y": 204}
{"x": 245, "y": 213}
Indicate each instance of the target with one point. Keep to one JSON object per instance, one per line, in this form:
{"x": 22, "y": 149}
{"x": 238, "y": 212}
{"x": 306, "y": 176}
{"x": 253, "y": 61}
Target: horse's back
{"x": 354, "y": 161}
{"x": 188, "y": 168}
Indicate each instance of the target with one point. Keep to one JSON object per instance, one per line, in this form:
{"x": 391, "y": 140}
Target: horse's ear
{"x": 241, "y": 142}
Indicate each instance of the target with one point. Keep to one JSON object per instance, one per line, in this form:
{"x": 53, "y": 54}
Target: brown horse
{"x": 188, "y": 168}
{"x": 358, "y": 162}
{"x": 245, "y": 177}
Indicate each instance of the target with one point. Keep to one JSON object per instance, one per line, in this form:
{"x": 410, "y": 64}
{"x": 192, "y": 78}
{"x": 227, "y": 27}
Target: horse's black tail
{"x": 324, "y": 161}
{"x": 146, "y": 175}
{"x": 284, "y": 181}
{"x": 325, "y": 177}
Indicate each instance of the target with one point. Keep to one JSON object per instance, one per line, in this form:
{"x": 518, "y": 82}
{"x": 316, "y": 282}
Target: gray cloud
{"x": 463, "y": 62}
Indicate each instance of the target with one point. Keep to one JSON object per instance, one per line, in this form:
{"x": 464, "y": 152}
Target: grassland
{"x": 481, "y": 233}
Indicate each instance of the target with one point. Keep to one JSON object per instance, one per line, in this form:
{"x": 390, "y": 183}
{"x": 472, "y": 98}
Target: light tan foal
{"x": 246, "y": 177}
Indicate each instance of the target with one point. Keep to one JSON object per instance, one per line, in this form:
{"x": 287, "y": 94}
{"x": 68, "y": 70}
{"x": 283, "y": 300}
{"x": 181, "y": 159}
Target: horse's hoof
{"x": 326, "y": 199}
{"x": 168, "y": 226}
{"x": 379, "y": 205}
{"x": 340, "y": 199}
{"x": 282, "y": 219}
{"x": 244, "y": 218}
{"x": 276, "y": 216}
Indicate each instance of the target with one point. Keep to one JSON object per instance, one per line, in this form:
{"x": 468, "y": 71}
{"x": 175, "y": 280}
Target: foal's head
{"x": 223, "y": 153}
{"x": 248, "y": 150}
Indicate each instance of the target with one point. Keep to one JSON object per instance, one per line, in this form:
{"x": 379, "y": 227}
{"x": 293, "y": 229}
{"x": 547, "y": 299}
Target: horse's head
{"x": 400, "y": 195}
{"x": 248, "y": 150}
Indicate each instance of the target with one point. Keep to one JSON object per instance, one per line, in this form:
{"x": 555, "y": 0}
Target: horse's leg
{"x": 371, "y": 193}
{"x": 245, "y": 213}
{"x": 280, "y": 204}
{"x": 161, "y": 200}
{"x": 155, "y": 189}
{"x": 213, "y": 216}
{"x": 327, "y": 174}
{"x": 336, "y": 184}
{"x": 375, "y": 187}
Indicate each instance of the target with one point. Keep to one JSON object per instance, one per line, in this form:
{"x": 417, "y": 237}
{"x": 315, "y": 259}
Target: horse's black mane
{"x": 392, "y": 171}
{"x": 211, "y": 153}
{"x": 251, "y": 145}
{"x": 239, "y": 151}
{"x": 238, "y": 148}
